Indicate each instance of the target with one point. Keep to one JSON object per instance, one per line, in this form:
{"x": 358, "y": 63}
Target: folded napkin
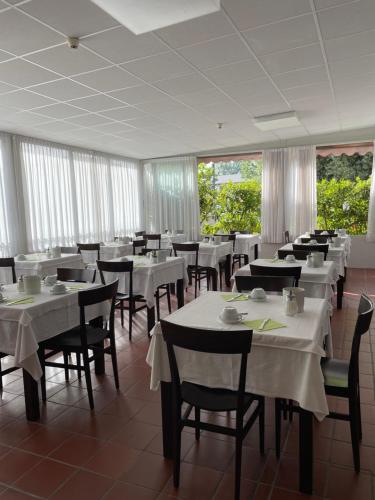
{"x": 17, "y": 302}
{"x": 230, "y": 296}
{"x": 75, "y": 287}
{"x": 270, "y": 325}
{"x": 274, "y": 259}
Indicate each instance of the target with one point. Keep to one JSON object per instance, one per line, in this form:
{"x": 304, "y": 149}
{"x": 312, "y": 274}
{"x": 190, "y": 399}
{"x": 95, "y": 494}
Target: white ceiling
{"x": 163, "y": 93}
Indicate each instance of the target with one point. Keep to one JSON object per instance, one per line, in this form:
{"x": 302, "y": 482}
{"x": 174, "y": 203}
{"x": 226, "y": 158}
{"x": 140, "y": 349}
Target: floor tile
{"x": 16, "y": 463}
{"x": 195, "y": 482}
{"x": 150, "y": 471}
{"x": 112, "y": 460}
{"x": 83, "y": 486}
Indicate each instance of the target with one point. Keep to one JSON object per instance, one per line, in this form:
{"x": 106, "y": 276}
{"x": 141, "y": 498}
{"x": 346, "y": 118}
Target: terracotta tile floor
{"x": 115, "y": 453}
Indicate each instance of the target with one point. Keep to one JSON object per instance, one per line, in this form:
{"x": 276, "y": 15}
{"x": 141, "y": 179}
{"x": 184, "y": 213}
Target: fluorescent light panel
{"x": 277, "y": 121}
{"x": 141, "y": 16}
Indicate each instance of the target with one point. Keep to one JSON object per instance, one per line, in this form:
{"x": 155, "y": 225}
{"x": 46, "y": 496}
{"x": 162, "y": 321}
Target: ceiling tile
{"x": 56, "y": 126}
{"x": 154, "y": 68}
{"x": 58, "y": 111}
{"x": 184, "y": 84}
{"x": 197, "y": 30}
{"x": 307, "y": 91}
{"x": 98, "y": 102}
{"x": 326, "y": 4}
{"x": 224, "y": 112}
{"x": 112, "y": 128}
{"x": 305, "y": 76}
{"x": 283, "y": 35}
{"x": 66, "y": 61}
{"x": 164, "y": 105}
{"x": 29, "y": 35}
{"x": 350, "y": 46}
{"x": 23, "y": 99}
{"x": 63, "y": 90}
{"x": 123, "y": 114}
{"x": 249, "y": 14}
{"x": 105, "y": 80}
{"x": 357, "y": 65}
{"x": 135, "y": 95}
{"x": 88, "y": 120}
{"x": 71, "y": 17}
{"x": 202, "y": 98}
{"x": 23, "y": 73}
{"x": 255, "y": 88}
{"x": 213, "y": 53}
{"x": 28, "y": 118}
{"x": 120, "y": 45}
{"x": 236, "y": 72}
{"x": 5, "y": 87}
{"x": 289, "y": 60}
{"x": 4, "y": 56}
{"x": 347, "y": 19}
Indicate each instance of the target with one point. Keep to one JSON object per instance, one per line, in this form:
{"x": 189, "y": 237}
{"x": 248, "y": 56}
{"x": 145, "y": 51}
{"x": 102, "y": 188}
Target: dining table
{"x": 148, "y": 276}
{"x": 166, "y": 241}
{"x": 284, "y": 361}
{"x": 247, "y": 245}
{"x": 34, "y": 318}
{"x": 41, "y": 264}
{"x": 113, "y": 249}
{"x": 319, "y": 282}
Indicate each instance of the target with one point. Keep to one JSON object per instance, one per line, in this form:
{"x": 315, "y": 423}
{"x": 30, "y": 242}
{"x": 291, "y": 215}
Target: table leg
{"x": 228, "y": 268}
{"x": 31, "y": 396}
{"x": 180, "y": 293}
{"x": 340, "y": 291}
{"x": 305, "y": 451}
{"x": 99, "y": 361}
{"x": 256, "y": 251}
{"x": 246, "y": 259}
{"x": 150, "y": 319}
{"x": 167, "y": 419}
{"x": 172, "y": 288}
{"x": 213, "y": 274}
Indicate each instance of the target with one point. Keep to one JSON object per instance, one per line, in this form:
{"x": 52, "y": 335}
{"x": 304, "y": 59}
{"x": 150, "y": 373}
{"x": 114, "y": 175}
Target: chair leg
{"x": 261, "y": 425}
{"x": 176, "y": 448}
{"x": 197, "y": 422}
{"x": 237, "y": 479}
{"x": 122, "y": 312}
{"x": 169, "y": 299}
{"x": 278, "y": 426}
{"x": 290, "y": 410}
{"x": 66, "y": 362}
{"x": 1, "y": 378}
{"x": 43, "y": 377}
{"x": 131, "y": 306}
{"x": 114, "y": 362}
{"x": 78, "y": 356}
{"x": 196, "y": 286}
{"x": 208, "y": 281}
{"x": 86, "y": 365}
{"x": 353, "y": 414}
{"x": 157, "y": 305}
{"x": 359, "y": 414}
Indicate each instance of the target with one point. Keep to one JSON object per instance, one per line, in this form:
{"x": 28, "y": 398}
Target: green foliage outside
{"x": 343, "y": 191}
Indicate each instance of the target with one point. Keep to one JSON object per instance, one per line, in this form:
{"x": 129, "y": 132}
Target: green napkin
{"x": 15, "y": 302}
{"x": 229, "y": 296}
{"x": 270, "y": 325}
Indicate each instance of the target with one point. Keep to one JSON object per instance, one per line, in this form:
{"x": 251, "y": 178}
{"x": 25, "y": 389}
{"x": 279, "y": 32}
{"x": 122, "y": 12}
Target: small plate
{"x": 260, "y": 299}
{"x": 230, "y": 322}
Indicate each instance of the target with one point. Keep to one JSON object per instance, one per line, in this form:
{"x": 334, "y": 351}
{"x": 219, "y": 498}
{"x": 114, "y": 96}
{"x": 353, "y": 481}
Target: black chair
{"x": 205, "y": 398}
{"x": 180, "y": 231}
{"x": 286, "y": 237}
{"x": 139, "y": 244}
{"x": 125, "y": 268}
{"x": 89, "y": 247}
{"x": 312, "y": 248}
{"x": 72, "y": 250}
{"x": 7, "y": 262}
{"x": 246, "y": 283}
{"x": 76, "y": 275}
{"x": 319, "y": 239}
{"x": 152, "y": 237}
{"x": 298, "y": 254}
{"x": 294, "y": 271}
{"x": 331, "y": 232}
{"x": 236, "y": 258}
{"x": 83, "y": 338}
{"x": 139, "y": 233}
{"x": 195, "y": 272}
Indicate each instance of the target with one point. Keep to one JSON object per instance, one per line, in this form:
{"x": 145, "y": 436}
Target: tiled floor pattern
{"x": 115, "y": 453}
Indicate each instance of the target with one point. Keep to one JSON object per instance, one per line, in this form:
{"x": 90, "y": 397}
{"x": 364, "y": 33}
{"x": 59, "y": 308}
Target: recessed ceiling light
{"x": 141, "y": 16}
{"x": 277, "y": 121}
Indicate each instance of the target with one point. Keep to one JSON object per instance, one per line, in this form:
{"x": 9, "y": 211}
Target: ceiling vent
{"x": 277, "y": 121}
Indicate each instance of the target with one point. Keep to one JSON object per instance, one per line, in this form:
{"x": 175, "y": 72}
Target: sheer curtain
{"x": 171, "y": 195}
{"x": 371, "y": 209}
{"x": 288, "y": 192}
{"x": 71, "y": 195}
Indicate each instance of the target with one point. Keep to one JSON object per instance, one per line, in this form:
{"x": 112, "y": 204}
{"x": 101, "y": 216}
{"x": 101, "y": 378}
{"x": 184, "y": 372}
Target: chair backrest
{"x": 294, "y": 271}
{"x": 77, "y": 275}
{"x": 207, "y": 341}
{"x": 365, "y": 311}
{"x": 180, "y": 231}
{"x": 319, "y": 239}
{"x": 228, "y": 237}
{"x": 89, "y": 247}
{"x": 117, "y": 267}
{"x": 286, "y": 237}
{"x": 139, "y": 233}
{"x": 138, "y": 244}
{"x": 298, "y": 254}
{"x": 9, "y": 262}
{"x": 187, "y": 248}
{"x": 331, "y": 232}
{"x": 152, "y": 237}
{"x": 312, "y": 248}
{"x": 73, "y": 250}
{"x": 246, "y": 283}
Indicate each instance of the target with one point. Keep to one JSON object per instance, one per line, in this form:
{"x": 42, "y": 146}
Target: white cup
{"x": 50, "y": 280}
{"x": 313, "y": 242}
{"x": 258, "y": 293}
{"x": 299, "y": 294}
{"x": 21, "y": 256}
{"x": 59, "y": 288}
{"x": 290, "y": 258}
{"x": 32, "y": 284}
{"x": 56, "y": 252}
{"x": 230, "y": 314}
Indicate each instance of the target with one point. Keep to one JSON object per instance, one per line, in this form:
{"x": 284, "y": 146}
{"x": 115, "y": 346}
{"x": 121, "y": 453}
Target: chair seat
{"x": 335, "y": 372}
{"x": 212, "y": 399}
{"x": 72, "y": 338}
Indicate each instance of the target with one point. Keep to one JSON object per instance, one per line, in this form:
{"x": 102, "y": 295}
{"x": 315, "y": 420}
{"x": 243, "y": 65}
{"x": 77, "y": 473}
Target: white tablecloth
{"x": 166, "y": 241}
{"x": 283, "y": 363}
{"x": 209, "y": 255}
{"x": 22, "y": 327}
{"x": 40, "y": 265}
{"x": 111, "y": 250}
{"x": 317, "y": 281}
{"x": 245, "y": 243}
{"x": 335, "y": 254}
{"x": 147, "y": 276}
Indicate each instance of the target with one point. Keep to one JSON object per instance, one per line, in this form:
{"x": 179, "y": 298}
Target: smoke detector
{"x": 73, "y": 42}
{"x": 220, "y": 125}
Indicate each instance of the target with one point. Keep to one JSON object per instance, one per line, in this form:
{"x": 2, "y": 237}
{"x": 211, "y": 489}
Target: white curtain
{"x": 371, "y": 209}
{"x": 171, "y": 195}
{"x": 288, "y": 192}
{"x": 72, "y": 195}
